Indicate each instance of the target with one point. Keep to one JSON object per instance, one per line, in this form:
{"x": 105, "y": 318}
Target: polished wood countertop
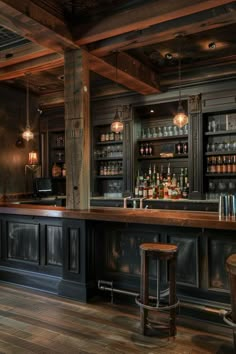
{"x": 180, "y": 218}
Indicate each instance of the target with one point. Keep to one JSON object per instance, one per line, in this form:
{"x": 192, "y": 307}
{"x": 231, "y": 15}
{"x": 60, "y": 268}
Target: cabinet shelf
{"x": 158, "y": 157}
{"x": 112, "y": 142}
{"x": 218, "y": 175}
{"x": 161, "y": 138}
{"x": 110, "y": 177}
{"x": 109, "y": 158}
{"x": 221, "y": 132}
{"x": 215, "y": 153}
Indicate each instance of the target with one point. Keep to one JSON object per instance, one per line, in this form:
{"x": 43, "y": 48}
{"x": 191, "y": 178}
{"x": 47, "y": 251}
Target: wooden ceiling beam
{"x": 200, "y": 22}
{"x": 22, "y": 53}
{"x": 46, "y": 62}
{"x": 31, "y": 21}
{"x": 140, "y": 18}
{"x": 125, "y": 70}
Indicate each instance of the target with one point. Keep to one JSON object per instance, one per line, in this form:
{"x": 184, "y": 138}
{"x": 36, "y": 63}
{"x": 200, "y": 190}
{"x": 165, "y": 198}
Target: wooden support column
{"x": 77, "y": 129}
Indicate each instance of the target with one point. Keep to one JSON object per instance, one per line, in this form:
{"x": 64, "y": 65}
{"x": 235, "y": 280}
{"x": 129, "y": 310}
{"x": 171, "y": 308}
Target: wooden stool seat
{"x": 161, "y": 252}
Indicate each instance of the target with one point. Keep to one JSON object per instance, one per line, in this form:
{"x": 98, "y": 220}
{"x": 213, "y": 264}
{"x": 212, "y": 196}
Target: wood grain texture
{"x": 77, "y": 128}
{"x": 32, "y": 322}
{"x": 181, "y": 218}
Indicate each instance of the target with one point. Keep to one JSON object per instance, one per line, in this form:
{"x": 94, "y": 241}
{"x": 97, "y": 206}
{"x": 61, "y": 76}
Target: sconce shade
{"x": 117, "y": 126}
{"x": 28, "y": 134}
{"x": 180, "y": 119}
{"x": 33, "y": 158}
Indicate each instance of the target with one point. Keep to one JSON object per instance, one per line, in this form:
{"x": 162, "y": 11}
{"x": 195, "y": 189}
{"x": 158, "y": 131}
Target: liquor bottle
{"x": 219, "y": 164}
{"x": 146, "y": 152}
{"x": 150, "y": 149}
{"x": 234, "y": 163}
{"x": 141, "y": 150}
{"x": 181, "y": 179}
{"x": 168, "y": 175}
{"x": 140, "y": 188}
{"x": 229, "y": 165}
{"x": 185, "y": 148}
{"x": 136, "y": 189}
{"x": 161, "y": 189}
{"x": 185, "y": 176}
{"x": 224, "y": 164}
{"x": 179, "y": 148}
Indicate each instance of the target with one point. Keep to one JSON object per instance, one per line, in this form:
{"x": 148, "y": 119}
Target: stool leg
{"x": 172, "y": 295}
{"x": 158, "y": 283}
{"x": 144, "y": 291}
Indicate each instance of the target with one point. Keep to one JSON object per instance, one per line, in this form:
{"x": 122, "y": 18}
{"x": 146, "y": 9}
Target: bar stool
{"x": 230, "y": 316}
{"x": 160, "y": 252}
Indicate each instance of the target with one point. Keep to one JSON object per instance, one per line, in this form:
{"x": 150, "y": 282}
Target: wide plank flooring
{"x": 32, "y": 322}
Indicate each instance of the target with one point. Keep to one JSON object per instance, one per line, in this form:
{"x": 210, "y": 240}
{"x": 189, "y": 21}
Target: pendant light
{"x": 117, "y": 125}
{"x": 27, "y": 134}
{"x": 180, "y": 119}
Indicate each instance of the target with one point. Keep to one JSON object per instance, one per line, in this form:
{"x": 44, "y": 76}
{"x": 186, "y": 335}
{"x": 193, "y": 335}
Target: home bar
{"x": 120, "y": 147}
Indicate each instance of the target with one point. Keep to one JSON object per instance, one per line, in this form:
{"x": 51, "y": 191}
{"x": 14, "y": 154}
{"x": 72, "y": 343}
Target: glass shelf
{"x": 160, "y": 138}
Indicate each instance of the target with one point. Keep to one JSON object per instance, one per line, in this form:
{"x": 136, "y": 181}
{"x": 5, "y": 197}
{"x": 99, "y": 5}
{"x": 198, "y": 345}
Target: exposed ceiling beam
{"x": 140, "y": 18}
{"x": 31, "y": 21}
{"x": 22, "y": 53}
{"x": 35, "y": 65}
{"x": 200, "y": 22}
{"x": 125, "y": 70}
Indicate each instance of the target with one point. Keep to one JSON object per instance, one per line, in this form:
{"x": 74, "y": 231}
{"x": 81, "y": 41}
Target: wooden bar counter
{"x": 66, "y": 251}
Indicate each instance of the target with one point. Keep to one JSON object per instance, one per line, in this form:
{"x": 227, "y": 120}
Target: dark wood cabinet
{"x": 220, "y": 153}
{"x": 108, "y": 172}
{"x": 159, "y": 144}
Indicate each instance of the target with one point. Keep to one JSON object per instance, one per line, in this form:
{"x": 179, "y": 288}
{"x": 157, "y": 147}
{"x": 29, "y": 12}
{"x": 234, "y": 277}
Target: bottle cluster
{"x": 181, "y": 148}
{"x": 111, "y": 136}
{"x": 146, "y": 149}
{"x": 111, "y": 168}
{"x": 160, "y": 185}
{"x": 221, "y": 164}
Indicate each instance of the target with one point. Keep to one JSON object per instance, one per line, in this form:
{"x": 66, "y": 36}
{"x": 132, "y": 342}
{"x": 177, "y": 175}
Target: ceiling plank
{"x": 125, "y": 70}
{"x": 46, "y": 62}
{"x": 140, "y": 18}
{"x": 22, "y": 53}
{"x": 200, "y": 22}
{"x": 35, "y": 23}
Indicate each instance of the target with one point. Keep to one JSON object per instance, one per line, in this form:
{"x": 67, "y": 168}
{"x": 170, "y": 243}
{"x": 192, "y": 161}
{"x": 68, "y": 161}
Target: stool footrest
{"x": 228, "y": 319}
{"x": 157, "y": 307}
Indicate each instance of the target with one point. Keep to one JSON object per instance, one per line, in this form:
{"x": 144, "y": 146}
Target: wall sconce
{"x": 33, "y": 158}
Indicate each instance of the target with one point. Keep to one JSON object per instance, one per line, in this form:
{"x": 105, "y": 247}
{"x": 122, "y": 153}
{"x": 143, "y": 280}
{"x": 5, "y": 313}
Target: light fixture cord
{"x": 179, "y": 67}
{"x": 27, "y": 102}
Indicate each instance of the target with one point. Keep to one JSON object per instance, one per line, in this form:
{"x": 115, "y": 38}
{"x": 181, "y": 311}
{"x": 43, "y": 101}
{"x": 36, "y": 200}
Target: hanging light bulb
{"x": 180, "y": 119}
{"x": 27, "y": 134}
{"x": 117, "y": 126}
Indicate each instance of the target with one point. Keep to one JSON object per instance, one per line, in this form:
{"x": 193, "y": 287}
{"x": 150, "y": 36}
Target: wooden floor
{"x": 32, "y": 322}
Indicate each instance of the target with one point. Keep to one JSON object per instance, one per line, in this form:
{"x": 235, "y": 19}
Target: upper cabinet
{"x": 160, "y": 150}
{"x": 220, "y": 153}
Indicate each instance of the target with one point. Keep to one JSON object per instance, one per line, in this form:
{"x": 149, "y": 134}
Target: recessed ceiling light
{"x": 212, "y": 45}
{"x": 152, "y": 111}
{"x": 168, "y": 56}
{"x": 61, "y": 77}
